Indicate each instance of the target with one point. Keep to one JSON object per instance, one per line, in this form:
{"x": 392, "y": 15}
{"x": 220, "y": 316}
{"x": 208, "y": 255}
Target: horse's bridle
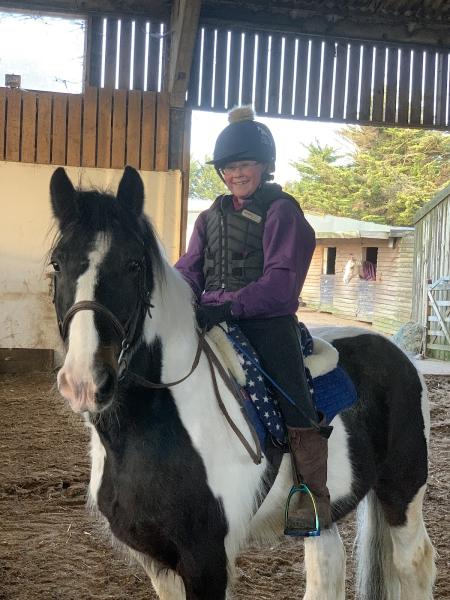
{"x": 129, "y": 334}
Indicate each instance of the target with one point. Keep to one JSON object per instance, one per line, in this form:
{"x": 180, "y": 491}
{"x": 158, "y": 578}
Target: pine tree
{"x": 386, "y": 178}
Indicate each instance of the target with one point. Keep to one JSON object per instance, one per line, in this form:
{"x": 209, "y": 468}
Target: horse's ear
{"x": 131, "y": 191}
{"x": 62, "y": 194}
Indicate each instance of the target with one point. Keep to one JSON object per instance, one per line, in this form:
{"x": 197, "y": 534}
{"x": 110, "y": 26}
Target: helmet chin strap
{"x": 219, "y": 173}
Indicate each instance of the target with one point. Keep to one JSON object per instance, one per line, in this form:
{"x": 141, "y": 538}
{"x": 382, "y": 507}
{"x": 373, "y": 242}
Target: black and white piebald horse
{"x": 173, "y": 481}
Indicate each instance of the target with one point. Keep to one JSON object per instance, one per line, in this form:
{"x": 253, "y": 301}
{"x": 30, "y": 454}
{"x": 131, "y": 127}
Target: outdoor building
{"x": 379, "y": 262}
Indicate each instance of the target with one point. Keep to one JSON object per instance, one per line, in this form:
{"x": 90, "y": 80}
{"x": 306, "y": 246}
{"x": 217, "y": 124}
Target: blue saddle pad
{"x": 331, "y": 393}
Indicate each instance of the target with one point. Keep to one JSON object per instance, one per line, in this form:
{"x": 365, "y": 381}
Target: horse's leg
{"x": 166, "y": 583}
{"x": 413, "y": 553}
{"x": 325, "y": 566}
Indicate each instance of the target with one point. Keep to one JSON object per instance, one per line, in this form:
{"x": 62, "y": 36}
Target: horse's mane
{"x": 100, "y": 211}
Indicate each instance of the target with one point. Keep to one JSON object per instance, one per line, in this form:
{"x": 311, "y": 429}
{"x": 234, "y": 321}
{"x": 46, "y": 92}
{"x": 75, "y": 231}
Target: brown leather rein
{"x": 127, "y": 334}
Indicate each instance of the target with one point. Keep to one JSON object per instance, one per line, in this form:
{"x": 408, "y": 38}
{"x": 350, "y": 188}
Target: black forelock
{"x": 99, "y": 211}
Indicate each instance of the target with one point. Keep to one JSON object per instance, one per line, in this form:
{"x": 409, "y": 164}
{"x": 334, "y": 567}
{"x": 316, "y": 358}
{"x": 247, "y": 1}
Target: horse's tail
{"x": 376, "y": 577}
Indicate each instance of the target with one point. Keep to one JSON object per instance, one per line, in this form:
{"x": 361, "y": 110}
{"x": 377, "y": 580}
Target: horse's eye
{"x": 55, "y": 266}
{"x": 134, "y": 266}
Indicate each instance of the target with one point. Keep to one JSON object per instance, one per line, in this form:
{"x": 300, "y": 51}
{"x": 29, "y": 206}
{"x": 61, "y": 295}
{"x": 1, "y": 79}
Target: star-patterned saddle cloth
{"x": 331, "y": 388}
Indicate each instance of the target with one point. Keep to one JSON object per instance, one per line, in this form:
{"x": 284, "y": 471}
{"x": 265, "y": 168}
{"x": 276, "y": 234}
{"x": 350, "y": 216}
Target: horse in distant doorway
{"x": 363, "y": 269}
{"x": 171, "y": 478}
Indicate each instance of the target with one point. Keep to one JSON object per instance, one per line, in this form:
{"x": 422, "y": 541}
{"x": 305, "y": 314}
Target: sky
{"x": 47, "y": 52}
{"x": 52, "y": 59}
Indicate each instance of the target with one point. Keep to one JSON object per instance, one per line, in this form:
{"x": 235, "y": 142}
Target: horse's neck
{"x": 173, "y": 323}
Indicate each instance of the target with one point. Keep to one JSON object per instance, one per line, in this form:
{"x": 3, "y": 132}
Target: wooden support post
{"x": 94, "y": 44}
{"x": 184, "y": 25}
{"x": 179, "y": 156}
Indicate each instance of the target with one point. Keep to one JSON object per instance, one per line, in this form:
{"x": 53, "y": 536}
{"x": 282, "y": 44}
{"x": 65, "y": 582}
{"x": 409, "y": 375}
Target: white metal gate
{"x": 438, "y": 334}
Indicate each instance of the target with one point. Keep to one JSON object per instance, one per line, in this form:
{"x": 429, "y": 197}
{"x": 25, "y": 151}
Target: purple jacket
{"x": 288, "y": 244}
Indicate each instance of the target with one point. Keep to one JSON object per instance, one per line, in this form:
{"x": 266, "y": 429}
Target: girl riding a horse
{"x": 170, "y": 477}
{"x": 247, "y": 260}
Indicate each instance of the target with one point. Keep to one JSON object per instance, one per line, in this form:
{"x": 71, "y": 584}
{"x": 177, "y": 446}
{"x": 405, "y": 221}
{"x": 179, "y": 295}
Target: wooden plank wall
{"x": 101, "y": 128}
{"x": 393, "y": 300}
{"x": 345, "y": 295}
{"x": 132, "y": 50}
{"x": 311, "y": 288}
{"x": 431, "y": 257}
{"x": 393, "y": 288}
{"x": 309, "y": 77}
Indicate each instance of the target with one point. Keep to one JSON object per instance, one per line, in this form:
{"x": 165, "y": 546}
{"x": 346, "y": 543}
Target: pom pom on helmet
{"x": 241, "y": 113}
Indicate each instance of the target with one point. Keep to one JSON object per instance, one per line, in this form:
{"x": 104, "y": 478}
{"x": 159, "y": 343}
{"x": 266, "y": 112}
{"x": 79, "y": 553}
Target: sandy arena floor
{"x": 51, "y": 548}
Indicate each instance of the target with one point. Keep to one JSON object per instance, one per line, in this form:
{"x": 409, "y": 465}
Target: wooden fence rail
{"x": 101, "y": 128}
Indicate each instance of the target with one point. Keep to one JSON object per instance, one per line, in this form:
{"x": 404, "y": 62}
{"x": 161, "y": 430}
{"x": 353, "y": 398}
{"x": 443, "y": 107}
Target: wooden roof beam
{"x": 324, "y": 21}
{"x": 156, "y": 9}
{"x": 184, "y": 26}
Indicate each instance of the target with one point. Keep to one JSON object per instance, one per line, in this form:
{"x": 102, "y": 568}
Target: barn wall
{"x": 345, "y": 301}
{"x": 311, "y": 288}
{"x": 26, "y": 312}
{"x": 393, "y": 300}
{"x": 102, "y": 127}
{"x": 431, "y": 254}
{"x": 369, "y": 67}
{"x": 392, "y": 292}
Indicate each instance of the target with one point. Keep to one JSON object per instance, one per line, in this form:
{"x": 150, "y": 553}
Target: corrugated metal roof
{"x": 330, "y": 226}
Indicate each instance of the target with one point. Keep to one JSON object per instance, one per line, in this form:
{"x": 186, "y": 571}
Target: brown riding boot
{"x": 309, "y": 457}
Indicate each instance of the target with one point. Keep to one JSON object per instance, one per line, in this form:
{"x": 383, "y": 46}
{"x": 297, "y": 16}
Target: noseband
{"x": 126, "y": 333}
{"x": 96, "y": 307}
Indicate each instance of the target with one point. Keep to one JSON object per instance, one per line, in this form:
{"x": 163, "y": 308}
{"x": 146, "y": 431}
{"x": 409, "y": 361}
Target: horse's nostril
{"x": 107, "y": 386}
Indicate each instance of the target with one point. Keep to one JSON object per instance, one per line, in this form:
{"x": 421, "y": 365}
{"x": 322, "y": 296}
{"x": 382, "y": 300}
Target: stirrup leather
{"x": 302, "y": 488}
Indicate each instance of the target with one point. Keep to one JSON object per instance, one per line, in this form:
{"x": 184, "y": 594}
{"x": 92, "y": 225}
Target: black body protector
{"x": 234, "y": 255}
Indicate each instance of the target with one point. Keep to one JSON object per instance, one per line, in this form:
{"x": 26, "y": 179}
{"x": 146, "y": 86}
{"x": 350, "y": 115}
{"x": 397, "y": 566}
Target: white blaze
{"x": 75, "y": 379}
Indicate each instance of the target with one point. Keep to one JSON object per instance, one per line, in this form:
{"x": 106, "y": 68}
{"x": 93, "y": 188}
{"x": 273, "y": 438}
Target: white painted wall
{"x": 26, "y": 312}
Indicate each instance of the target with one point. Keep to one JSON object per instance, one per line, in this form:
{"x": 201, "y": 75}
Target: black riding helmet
{"x": 244, "y": 139}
